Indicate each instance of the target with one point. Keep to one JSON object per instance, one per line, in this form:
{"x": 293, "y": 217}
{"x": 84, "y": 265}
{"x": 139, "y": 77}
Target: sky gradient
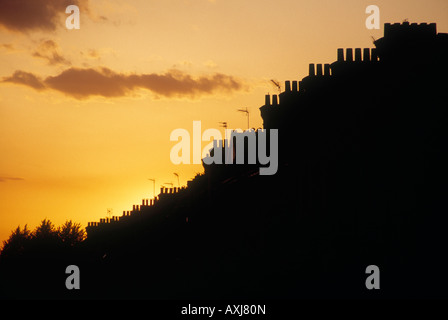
{"x": 86, "y": 115}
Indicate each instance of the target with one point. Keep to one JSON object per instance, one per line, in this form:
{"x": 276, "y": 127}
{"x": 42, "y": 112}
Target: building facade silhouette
{"x": 361, "y": 180}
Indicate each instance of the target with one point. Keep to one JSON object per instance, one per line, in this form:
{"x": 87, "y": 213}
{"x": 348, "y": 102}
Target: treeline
{"x": 45, "y": 239}
{"x": 33, "y": 262}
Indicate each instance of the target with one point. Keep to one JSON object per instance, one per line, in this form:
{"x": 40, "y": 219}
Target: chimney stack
{"x": 319, "y": 69}
{"x": 274, "y": 100}
{"x": 374, "y": 55}
{"x": 366, "y": 54}
{"x": 287, "y": 86}
{"x": 349, "y": 54}
{"x": 294, "y": 86}
{"x": 340, "y": 54}
{"x": 326, "y": 69}
{"x": 311, "y": 71}
{"x": 358, "y": 54}
{"x": 432, "y": 28}
{"x": 267, "y": 100}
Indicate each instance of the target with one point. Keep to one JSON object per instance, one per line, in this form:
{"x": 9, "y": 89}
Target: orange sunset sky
{"x": 86, "y": 115}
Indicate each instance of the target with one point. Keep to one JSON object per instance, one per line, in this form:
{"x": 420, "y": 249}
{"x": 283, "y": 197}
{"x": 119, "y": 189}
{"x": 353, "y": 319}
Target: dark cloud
{"x": 49, "y": 51}
{"x": 176, "y": 83}
{"x": 83, "y": 83}
{"x": 25, "y": 78}
{"x": 31, "y": 15}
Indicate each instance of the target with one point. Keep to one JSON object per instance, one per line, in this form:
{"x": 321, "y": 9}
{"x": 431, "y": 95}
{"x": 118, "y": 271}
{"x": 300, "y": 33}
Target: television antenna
{"x": 277, "y": 84}
{"x": 247, "y": 113}
{"x": 223, "y": 124}
{"x": 177, "y": 175}
{"x": 154, "y": 187}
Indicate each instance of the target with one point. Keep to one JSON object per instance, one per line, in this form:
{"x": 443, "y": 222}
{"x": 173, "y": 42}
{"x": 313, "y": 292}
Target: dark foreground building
{"x": 362, "y": 180}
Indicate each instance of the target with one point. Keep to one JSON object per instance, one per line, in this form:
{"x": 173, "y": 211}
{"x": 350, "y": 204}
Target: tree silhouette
{"x": 71, "y": 233}
{"x": 45, "y": 240}
{"x": 16, "y": 243}
{"x": 46, "y": 230}
{"x": 29, "y": 260}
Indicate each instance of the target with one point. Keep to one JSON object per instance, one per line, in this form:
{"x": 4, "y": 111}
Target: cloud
{"x": 210, "y": 64}
{"x": 49, "y": 50}
{"x": 91, "y": 54}
{"x": 97, "y": 54}
{"x": 5, "y": 179}
{"x": 7, "y": 46}
{"x": 82, "y": 83}
{"x": 25, "y": 78}
{"x": 32, "y": 15}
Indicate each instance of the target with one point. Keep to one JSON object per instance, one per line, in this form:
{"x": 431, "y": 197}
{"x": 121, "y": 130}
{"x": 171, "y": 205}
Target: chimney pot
{"x": 340, "y": 54}
{"x": 294, "y": 86}
{"x": 366, "y": 54}
{"x": 311, "y": 69}
{"x": 349, "y": 54}
{"x": 326, "y": 69}
{"x": 374, "y": 55}
{"x": 358, "y": 54}
{"x": 267, "y": 100}
{"x": 319, "y": 69}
